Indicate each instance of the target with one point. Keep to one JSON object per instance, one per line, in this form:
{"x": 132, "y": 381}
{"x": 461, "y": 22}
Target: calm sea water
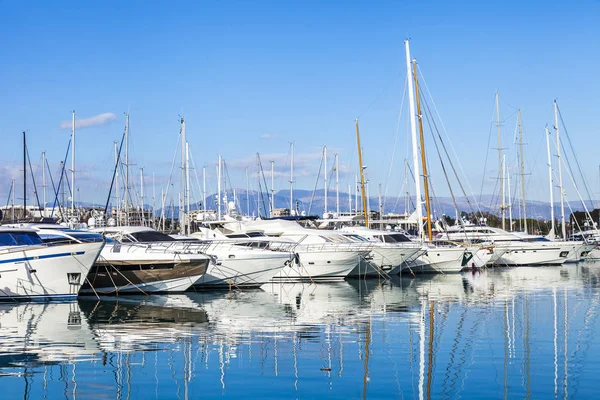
{"x": 506, "y": 333}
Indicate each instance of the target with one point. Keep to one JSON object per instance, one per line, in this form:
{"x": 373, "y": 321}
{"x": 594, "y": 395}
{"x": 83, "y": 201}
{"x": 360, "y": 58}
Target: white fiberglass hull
{"x": 438, "y": 260}
{"x": 554, "y": 253}
{"x": 594, "y": 254}
{"x": 582, "y": 251}
{"x": 322, "y": 265}
{"x": 246, "y": 270}
{"x": 46, "y": 272}
{"x": 383, "y": 259}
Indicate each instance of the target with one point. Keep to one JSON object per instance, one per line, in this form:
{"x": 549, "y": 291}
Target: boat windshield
{"x": 19, "y": 238}
{"x": 395, "y": 238}
{"x": 151, "y": 236}
{"x": 85, "y": 237}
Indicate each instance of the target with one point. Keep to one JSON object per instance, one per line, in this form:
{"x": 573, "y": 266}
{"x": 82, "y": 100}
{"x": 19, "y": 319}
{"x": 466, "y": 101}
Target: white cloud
{"x": 267, "y": 136}
{"x": 100, "y": 119}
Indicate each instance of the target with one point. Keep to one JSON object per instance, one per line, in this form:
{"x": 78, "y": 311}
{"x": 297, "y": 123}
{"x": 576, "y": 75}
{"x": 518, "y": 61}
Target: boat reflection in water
{"x": 522, "y": 332}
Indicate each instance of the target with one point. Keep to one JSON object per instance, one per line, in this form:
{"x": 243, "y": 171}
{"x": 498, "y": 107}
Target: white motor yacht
{"x": 30, "y": 269}
{"x": 320, "y": 255}
{"x": 390, "y": 250}
{"x": 520, "y": 248}
{"x": 233, "y": 265}
{"x": 129, "y": 267}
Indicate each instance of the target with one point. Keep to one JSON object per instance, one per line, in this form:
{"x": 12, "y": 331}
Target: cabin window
{"x": 19, "y": 238}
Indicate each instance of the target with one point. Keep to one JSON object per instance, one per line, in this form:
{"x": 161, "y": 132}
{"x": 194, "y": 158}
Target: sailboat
{"x": 441, "y": 256}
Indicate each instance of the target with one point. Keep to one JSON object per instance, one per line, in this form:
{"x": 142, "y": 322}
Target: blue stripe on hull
{"x": 43, "y": 257}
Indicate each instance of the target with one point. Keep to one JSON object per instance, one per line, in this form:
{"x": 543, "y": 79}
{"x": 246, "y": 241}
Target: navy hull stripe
{"x": 78, "y": 253}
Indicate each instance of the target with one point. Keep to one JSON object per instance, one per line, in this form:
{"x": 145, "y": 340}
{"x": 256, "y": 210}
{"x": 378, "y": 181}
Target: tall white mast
{"x": 72, "y": 167}
{"x": 219, "y": 188}
{"x": 292, "y": 179}
{"x": 500, "y": 165}
{"x": 126, "y": 169}
{"x": 337, "y": 184}
{"x": 153, "y": 198}
{"x": 380, "y": 203}
{"x": 204, "y": 188}
{"x": 509, "y": 204}
{"x": 142, "y": 196}
{"x": 247, "y": 192}
{"x": 163, "y": 205}
{"x": 12, "y": 190}
{"x": 182, "y": 216}
{"x": 551, "y": 181}
{"x": 522, "y": 171}
{"x": 350, "y": 198}
{"x": 187, "y": 186}
{"x": 272, "y": 188}
{"x": 118, "y": 199}
{"x": 560, "y": 182}
{"x": 368, "y": 198}
{"x": 413, "y": 129}
{"x": 258, "y": 194}
{"x": 44, "y": 178}
{"x": 325, "y": 209}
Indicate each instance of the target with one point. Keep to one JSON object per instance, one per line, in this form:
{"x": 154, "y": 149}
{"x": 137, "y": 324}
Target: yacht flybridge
{"x": 30, "y": 269}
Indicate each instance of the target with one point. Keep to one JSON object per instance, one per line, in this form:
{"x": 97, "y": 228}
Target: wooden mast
{"x": 423, "y": 160}
{"x": 362, "y": 177}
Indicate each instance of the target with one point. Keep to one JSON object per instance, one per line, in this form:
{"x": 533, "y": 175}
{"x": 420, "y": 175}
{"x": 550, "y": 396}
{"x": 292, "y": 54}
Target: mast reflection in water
{"x": 522, "y": 332}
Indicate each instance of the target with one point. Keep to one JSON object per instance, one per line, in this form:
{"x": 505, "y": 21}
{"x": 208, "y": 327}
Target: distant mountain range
{"x": 442, "y": 205}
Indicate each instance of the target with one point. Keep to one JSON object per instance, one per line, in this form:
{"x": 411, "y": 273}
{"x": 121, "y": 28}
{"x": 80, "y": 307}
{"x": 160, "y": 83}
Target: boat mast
{"x": 219, "y": 188}
{"x": 356, "y": 193}
{"x": 551, "y": 181}
{"x": 423, "y": 160}
{"x": 259, "y": 193}
{"x": 73, "y": 166}
{"x": 24, "y": 173}
{"x": 153, "y": 199}
{"x": 12, "y": 190}
{"x": 187, "y": 186}
{"x": 362, "y": 177}
{"x": 413, "y": 129}
{"x": 560, "y": 182}
{"x": 44, "y": 179}
{"x": 325, "y": 178}
{"x": 247, "y": 193}
{"x": 118, "y": 198}
{"x": 380, "y": 205}
{"x": 349, "y": 198}
{"x": 522, "y": 170}
{"x": 126, "y": 169}
{"x": 500, "y": 165}
{"x": 292, "y": 178}
{"x": 142, "y": 196}
{"x": 182, "y": 215}
{"x": 337, "y": 185}
{"x": 272, "y": 188}
{"x": 509, "y": 204}
{"x": 204, "y": 188}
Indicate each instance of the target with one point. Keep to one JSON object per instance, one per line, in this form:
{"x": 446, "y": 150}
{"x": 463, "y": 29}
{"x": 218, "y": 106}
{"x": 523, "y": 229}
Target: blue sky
{"x": 253, "y": 76}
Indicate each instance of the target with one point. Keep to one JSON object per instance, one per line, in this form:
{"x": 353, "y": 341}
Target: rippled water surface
{"x": 507, "y": 333}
